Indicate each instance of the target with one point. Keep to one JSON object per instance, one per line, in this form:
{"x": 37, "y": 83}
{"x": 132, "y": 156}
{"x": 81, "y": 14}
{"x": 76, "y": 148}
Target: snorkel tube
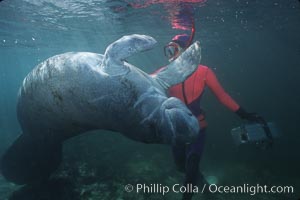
{"x": 192, "y": 35}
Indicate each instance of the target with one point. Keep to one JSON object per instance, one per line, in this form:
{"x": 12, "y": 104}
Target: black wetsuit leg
{"x": 193, "y": 156}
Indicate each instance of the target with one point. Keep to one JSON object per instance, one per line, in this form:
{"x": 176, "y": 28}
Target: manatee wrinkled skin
{"x": 71, "y": 93}
{"x": 75, "y": 92}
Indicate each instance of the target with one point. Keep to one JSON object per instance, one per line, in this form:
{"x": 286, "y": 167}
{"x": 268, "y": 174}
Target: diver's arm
{"x": 213, "y": 83}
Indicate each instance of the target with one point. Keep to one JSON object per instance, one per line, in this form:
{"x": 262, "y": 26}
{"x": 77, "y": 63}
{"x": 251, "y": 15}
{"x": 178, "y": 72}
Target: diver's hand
{"x": 252, "y": 117}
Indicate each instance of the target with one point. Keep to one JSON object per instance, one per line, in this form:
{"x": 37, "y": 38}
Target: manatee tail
{"x": 29, "y": 161}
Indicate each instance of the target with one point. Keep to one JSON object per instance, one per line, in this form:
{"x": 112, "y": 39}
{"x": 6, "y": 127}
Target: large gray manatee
{"x": 75, "y": 92}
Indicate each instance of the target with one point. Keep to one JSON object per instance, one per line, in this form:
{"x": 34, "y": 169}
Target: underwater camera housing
{"x": 257, "y": 133}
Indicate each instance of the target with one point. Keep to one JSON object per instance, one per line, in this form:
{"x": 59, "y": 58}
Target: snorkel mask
{"x": 178, "y": 44}
{"x": 172, "y": 50}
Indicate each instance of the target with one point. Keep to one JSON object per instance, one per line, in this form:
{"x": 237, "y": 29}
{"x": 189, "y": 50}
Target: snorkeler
{"x": 187, "y": 156}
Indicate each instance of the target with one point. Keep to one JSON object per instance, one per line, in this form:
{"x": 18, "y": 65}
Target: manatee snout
{"x": 178, "y": 122}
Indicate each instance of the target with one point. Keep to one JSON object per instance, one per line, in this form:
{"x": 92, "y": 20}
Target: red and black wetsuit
{"x": 187, "y": 157}
{"x": 191, "y": 90}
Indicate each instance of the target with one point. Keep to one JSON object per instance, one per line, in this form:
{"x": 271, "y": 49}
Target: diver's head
{"x": 178, "y": 44}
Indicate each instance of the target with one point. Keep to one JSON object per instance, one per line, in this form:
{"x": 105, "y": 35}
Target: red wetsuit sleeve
{"x": 213, "y": 83}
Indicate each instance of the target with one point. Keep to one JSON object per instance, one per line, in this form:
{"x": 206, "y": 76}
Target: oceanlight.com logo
{"x": 251, "y": 189}
{"x": 211, "y": 188}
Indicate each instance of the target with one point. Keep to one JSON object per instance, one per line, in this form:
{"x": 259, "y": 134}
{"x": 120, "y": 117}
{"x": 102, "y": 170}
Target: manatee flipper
{"x": 181, "y": 68}
{"x": 31, "y": 160}
{"x": 116, "y": 53}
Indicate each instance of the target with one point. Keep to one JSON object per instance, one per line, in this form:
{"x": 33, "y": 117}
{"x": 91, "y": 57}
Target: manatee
{"x": 76, "y": 92}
